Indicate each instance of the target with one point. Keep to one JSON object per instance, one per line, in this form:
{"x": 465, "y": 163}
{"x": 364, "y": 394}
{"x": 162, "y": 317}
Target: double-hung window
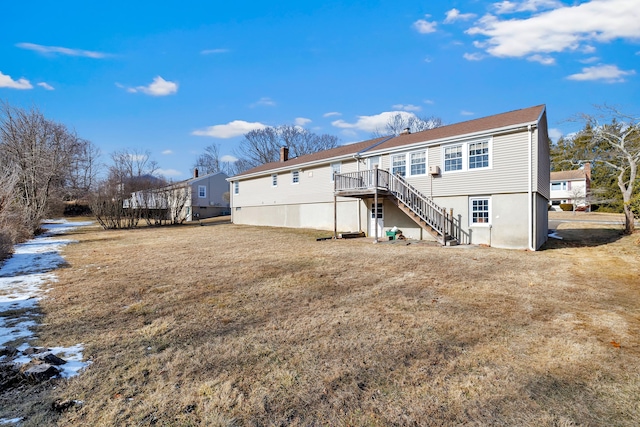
{"x": 480, "y": 210}
{"x": 295, "y": 177}
{"x": 236, "y": 187}
{"x": 335, "y": 168}
{"x": 418, "y": 163}
{"x": 479, "y": 155}
{"x": 399, "y": 164}
{"x": 453, "y": 158}
{"x": 465, "y": 156}
{"x": 274, "y": 180}
{"x": 202, "y": 191}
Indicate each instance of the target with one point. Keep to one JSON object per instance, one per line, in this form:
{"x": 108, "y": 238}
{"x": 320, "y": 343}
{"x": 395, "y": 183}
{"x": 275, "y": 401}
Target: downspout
{"x": 530, "y": 190}
{"x": 357, "y": 158}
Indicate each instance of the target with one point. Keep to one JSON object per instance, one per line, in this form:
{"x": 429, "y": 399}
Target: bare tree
{"x": 209, "y": 161}
{"x": 403, "y": 120}
{"x": 617, "y": 145}
{"x": 263, "y": 145}
{"x": 115, "y": 203}
{"x": 42, "y": 152}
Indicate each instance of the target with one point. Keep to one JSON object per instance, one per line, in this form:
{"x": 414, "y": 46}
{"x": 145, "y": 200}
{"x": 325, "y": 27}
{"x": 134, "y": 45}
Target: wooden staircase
{"x": 420, "y": 208}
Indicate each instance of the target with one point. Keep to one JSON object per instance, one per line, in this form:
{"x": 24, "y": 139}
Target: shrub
{"x": 566, "y": 207}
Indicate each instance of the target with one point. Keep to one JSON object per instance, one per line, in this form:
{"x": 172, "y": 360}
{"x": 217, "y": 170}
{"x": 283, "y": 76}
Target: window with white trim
{"x": 557, "y": 186}
{"x": 479, "y": 155}
{"x": 466, "y": 156}
{"x": 295, "y": 177}
{"x": 480, "y": 208}
{"x": 418, "y": 162}
{"x": 236, "y": 187}
{"x": 335, "y": 168}
{"x": 399, "y": 164}
{"x": 202, "y": 191}
{"x": 453, "y": 158}
{"x": 274, "y": 180}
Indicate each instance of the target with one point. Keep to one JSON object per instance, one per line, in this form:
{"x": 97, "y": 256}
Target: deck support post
{"x": 375, "y": 203}
{"x": 335, "y": 206}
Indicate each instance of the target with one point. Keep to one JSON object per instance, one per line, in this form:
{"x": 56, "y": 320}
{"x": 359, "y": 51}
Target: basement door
{"x": 376, "y": 220}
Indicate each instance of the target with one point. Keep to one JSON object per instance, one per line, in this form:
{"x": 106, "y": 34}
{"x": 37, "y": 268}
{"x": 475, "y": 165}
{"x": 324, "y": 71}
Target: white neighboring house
{"x": 196, "y": 198}
{"x": 571, "y": 187}
{"x": 484, "y": 181}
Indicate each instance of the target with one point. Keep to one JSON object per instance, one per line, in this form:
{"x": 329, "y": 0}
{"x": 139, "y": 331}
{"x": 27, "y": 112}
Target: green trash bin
{"x": 391, "y": 234}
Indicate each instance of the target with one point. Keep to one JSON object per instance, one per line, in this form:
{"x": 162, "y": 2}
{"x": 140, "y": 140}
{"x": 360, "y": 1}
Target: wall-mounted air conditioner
{"x": 434, "y": 170}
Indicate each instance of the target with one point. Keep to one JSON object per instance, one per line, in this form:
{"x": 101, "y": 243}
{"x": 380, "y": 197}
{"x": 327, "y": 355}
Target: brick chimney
{"x": 587, "y": 170}
{"x": 195, "y": 173}
{"x": 284, "y": 154}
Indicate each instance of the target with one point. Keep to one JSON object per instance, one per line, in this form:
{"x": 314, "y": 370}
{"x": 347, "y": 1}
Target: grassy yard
{"x": 227, "y": 325}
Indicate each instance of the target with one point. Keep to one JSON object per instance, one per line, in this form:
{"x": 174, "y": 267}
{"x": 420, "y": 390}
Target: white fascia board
{"x": 320, "y": 162}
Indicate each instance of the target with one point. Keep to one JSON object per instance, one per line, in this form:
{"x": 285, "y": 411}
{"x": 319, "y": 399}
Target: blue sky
{"x": 174, "y": 77}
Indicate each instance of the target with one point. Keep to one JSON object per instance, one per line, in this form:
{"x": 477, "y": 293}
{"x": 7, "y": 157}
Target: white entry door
{"x": 376, "y": 219}
{"x": 373, "y": 161}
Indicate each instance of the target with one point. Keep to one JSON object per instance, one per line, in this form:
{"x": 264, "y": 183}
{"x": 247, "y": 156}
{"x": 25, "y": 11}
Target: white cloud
{"x": 590, "y": 60}
{"x": 467, "y": 113}
{"x": 264, "y": 102}
{"x": 554, "y": 134}
{"x": 370, "y": 123}
{"x": 455, "y": 15}
{"x": 167, "y": 152}
{"x": 7, "y": 81}
{"x": 301, "y": 121}
{"x": 45, "y": 85}
{"x": 607, "y": 73}
{"x": 588, "y": 49}
{"x": 429, "y": 101}
{"x": 228, "y": 158}
{"x": 331, "y": 114}
{"x": 61, "y": 50}
{"x": 407, "y": 107}
{"x": 564, "y": 28}
{"x": 526, "y": 6}
{"x": 542, "y": 59}
{"x": 213, "y": 51}
{"x": 168, "y": 172}
{"x": 159, "y": 87}
{"x": 230, "y": 130}
{"x": 476, "y": 56}
{"x": 424, "y": 27}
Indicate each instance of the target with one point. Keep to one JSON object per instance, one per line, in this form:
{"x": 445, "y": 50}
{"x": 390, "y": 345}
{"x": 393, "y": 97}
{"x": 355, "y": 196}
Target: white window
{"x": 418, "y": 163}
{"x": 453, "y": 158}
{"x": 295, "y": 177}
{"x": 479, "y": 155}
{"x": 274, "y": 180}
{"x": 335, "y": 168}
{"x": 480, "y": 208}
{"x": 557, "y": 186}
{"x": 399, "y": 164}
{"x": 467, "y": 156}
{"x": 202, "y": 191}
{"x": 236, "y": 187}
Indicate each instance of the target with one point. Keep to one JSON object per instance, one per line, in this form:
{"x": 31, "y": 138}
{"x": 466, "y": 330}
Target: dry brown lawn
{"x": 228, "y": 325}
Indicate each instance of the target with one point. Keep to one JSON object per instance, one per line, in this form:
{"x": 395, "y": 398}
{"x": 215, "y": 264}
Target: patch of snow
{"x": 10, "y": 420}
{"x": 22, "y": 280}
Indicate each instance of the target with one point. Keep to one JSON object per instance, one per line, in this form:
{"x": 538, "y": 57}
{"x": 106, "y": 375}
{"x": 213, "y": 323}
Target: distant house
{"x": 571, "y": 187}
{"x": 484, "y": 181}
{"x": 199, "y": 197}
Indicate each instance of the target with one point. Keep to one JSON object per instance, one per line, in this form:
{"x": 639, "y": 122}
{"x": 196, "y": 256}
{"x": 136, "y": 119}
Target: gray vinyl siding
{"x": 315, "y": 185}
{"x": 508, "y": 172}
{"x": 543, "y": 169}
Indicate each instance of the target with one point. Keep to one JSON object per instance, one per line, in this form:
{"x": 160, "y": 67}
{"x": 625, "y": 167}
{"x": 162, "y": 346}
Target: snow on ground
{"x": 22, "y": 281}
